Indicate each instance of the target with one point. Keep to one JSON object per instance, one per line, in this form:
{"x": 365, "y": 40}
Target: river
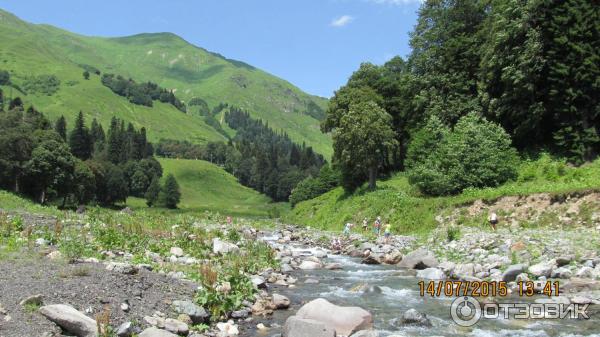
{"x": 400, "y": 292}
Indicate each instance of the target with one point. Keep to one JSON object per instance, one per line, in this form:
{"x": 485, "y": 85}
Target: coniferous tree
{"x": 61, "y": 127}
{"x": 114, "y": 146}
{"x": 170, "y": 194}
{"x": 1, "y": 100}
{"x": 97, "y": 136}
{"x": 79, "y": 139}
{"x": 153, "y": 192}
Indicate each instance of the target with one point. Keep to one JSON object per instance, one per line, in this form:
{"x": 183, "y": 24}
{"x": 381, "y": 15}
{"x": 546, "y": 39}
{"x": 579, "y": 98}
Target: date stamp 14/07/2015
{"x": 486, "y": 288}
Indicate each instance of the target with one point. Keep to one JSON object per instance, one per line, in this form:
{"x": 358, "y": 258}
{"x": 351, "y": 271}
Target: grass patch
{"x": 409, "y": 212}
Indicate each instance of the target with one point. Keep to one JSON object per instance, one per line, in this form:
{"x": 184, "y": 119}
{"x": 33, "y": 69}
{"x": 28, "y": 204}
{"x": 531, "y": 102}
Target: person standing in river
{"x": 493, "y": 219}
{"x": 377, "y": 226}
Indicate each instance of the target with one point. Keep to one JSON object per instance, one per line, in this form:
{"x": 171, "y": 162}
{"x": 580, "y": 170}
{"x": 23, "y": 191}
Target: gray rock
{"x": 176, "y": 326}
{"x": 564, "y": 260}
{"x": 371, "y": 259}
{"x": 125, "y": 330}
{"x": 258, "y": 281}
{"x": 542, "y": 269}
{"x": 510, "y": 274}
{"x": 561, "y": 272}
{"x": 585, "y": 272}
{"x": 240, "y": 314}
{"x": 431, "y": 274}
{"x": 37, "y": 300}
{"x": 70, "y": 320}
{"x": 333, "y": 266}
{"x": 155, "y": 332}
{"x": 222, "y": 247}
{"x": 412, "y": 316}
{"x": 176, "y": 251}
{"x": 280, "y": 301}
{"x": 286, "y": 268}
{"x": 302, "y": 327}
{"x": 345, "y": 320}
{"x": 196, "y": 313}
{"x": 309, "y": 265}
{"x": 122, "y": 268}
{"x": 419, "y": 259}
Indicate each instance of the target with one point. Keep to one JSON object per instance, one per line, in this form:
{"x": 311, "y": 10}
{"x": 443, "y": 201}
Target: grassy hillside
{"x": 31, "y": 50}
{"x": 205, "y": 186}
{"x": 400, "y": 204}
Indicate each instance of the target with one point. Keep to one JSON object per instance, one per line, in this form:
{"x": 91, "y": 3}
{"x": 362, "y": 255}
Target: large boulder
{"x": 419, "y": 259}
{"x": 222, "y": 247}
{"x": 431, "y": 274}
{"x": 309, "y": 265}
{"x": 70, "y": 320}
{"x": 196, "y": 313}
{"x": 155, "y": 332}
{"x": 510, "y": 274}
{"x": 302, "y": 327}
{"x": 345, "y": 320}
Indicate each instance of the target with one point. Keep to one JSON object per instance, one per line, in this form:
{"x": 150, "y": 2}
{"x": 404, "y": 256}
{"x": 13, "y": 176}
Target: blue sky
{"x": 315, "y": 44}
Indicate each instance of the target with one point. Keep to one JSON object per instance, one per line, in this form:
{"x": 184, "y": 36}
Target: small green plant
{"x": 32, "y": 307}
{"x": 453, "y": 233}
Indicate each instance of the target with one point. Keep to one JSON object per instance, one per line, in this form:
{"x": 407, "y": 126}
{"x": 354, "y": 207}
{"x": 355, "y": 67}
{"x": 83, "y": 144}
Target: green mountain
{"x": 32, "y": 52}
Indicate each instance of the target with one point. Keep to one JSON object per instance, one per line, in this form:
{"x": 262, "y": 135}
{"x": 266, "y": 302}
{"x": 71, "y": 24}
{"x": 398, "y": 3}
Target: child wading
{"x": 493, "y": 220}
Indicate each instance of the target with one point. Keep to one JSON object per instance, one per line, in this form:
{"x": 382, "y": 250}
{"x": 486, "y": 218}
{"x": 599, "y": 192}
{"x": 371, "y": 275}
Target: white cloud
{"x": 395, "y": 2}
{"x": 341, "y": 21}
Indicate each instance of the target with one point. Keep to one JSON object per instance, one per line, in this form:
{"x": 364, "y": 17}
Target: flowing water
{"x": 400, "y": 292}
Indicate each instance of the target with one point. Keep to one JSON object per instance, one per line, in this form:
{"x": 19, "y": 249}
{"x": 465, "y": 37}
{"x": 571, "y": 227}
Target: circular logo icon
{"x": 465, "y": 311}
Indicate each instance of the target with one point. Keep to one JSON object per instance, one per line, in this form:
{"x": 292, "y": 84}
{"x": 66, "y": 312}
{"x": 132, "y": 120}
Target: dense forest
{"x": 48, "y": 162}
{"x": 140, "y": 93}
{"x": 257, "y": 156}
{"x": 484, "y": 80}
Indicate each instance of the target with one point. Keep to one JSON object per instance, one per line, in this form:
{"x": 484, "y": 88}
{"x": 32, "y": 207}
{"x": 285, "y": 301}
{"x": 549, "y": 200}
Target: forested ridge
{"x": 259, "y": 157}
{"x": 485, "y": 79}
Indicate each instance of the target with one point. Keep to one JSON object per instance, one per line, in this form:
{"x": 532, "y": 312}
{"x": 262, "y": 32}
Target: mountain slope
{"x": 164, "y": 58}
{"x": 205, "y": 186}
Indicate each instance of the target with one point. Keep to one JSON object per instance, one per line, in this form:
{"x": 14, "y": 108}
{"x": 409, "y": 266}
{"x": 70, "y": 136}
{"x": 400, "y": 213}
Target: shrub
{"x": 476, "y": 154}
{"x": 42, "y": 84}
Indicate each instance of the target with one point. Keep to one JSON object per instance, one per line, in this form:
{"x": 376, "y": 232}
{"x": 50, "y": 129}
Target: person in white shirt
{"x": 493, "y": 219}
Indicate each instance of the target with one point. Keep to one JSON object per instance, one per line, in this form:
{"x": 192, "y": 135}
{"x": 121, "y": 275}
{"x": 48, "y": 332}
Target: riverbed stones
{"x": 414, "y": 317}
{"x": 303, "y": 327}
{"x": 121, "y": 268}
{"x": 372, "y": 259}
{"x": 258, "y": 281}
{"x": 562, "y": 273}
{"x": 125, "y": 330}
{"x": 542, "y": 269}
{"x": 280, "y": 301}
{"x": 392, "y": 258}
{"x": 176, "y": 327}
{"x": 419, "y": 259}
{"x": 510, "y": 274}
{"x": 564, "y": 260}
{"x": 431, "y": 274}
{"x": 70, "y": 320}
{"x": 227, "y": 329}
{"x": 222, "y": 247}
{"x": 366, "y": 333}
{"x": 585, "y": 272}
{"x": 197, "y": 314}
{"x": 155, "y": 332}
{"x": 345, "y": 320}
{"x": 309, "y": 265}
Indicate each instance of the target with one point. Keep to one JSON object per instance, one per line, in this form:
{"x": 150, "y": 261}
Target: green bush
{"x": 476, "y": 154}
{"x": 42, "y": 84}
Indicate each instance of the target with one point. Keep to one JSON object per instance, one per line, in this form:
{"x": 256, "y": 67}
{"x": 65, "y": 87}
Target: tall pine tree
{"x": 61, "y": 127}
{"x": 79, "y": 139}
